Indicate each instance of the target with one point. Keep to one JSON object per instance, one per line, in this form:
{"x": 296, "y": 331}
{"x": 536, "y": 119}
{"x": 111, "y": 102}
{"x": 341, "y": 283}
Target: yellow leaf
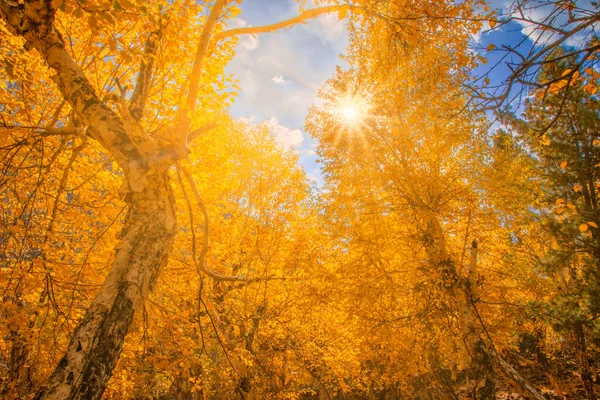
{"x": 342, "y": 12}
{"x": 545, "y": 140}
{"x": 593, "y": 224}
{"x": 492, "y": 23}
{"x": 583, "y": 227}
{"x": 491, "y": 47}
{"x": 563, "y": 164}
{"x": 578, "y": 188}
{"x": 557, "y": 86}
{"x": 590, "y": 88}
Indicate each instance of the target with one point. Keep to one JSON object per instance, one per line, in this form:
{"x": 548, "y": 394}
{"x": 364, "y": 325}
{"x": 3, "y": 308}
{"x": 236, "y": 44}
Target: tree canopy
{"x": 155, "y": 246}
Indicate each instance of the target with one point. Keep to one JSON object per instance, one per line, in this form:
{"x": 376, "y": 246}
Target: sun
{"x": 351, "y": 111}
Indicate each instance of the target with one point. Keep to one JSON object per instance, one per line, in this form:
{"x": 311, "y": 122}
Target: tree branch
{"x": 200, "y": 261}
{"x": 306, "y": 15}
{"x": 200, "y": 131}
{"x": 185, "y": 112}
{"x": 145, "y": 75}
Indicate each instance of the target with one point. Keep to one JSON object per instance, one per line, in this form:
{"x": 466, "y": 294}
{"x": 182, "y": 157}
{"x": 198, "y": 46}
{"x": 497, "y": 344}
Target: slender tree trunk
{"x": 583, "y": 361}
{"x": 481, "y": 368}
{"x": 19, "y": 382}
{"x": 460, "y": 291}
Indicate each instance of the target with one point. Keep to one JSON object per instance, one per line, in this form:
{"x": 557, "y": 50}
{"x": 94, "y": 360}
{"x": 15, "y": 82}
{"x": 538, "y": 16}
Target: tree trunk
{"x": 481, "y": 369}
{"x": 484, "y": 358}
{"x": 144, "y": 248}
{"x": 583, "y": 361}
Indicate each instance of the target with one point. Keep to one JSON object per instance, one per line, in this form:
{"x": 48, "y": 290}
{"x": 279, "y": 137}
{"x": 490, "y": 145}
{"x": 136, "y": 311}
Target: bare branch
{"x": 202, "y": 130}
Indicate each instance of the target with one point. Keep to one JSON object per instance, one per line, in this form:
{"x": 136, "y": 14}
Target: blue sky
{"x": 520, "y": 36}
{"x": 281, "y": 73}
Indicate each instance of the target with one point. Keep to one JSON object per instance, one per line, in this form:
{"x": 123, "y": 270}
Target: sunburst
{"x": 351, "y": 111}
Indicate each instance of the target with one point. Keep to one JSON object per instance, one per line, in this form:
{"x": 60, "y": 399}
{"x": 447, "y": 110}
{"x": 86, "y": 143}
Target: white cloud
{"x": 278, "y": 79}
{"x": 577, "y": 39}
{"x": 249, "y": 42}
{"x": 255, "y": 68}
{"x": 329, "y": 28}
{"x": 288, "y": 138}
{"x": 236, "y": 23}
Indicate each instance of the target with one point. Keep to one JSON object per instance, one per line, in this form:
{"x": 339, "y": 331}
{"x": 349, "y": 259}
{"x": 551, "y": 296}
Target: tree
{"x": 565, "y": 161}
{"x": 132, "y": 204}
{"x": 144, "y": 136}
{"x": 404, "y": 199}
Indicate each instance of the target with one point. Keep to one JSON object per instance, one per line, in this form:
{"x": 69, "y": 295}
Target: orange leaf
{"x": 590, "y": 88}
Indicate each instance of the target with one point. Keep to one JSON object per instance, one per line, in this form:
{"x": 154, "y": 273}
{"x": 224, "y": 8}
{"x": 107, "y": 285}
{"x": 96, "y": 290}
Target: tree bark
{"x": 583, "y": 361}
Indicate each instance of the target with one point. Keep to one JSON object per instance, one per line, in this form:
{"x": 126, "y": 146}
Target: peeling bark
{"x": 34, "y": 21}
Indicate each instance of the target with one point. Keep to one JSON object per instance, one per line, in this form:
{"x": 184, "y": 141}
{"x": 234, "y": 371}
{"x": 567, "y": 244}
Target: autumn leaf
{"x": 563, "y": 164}
{"x": 590, "y": 88}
